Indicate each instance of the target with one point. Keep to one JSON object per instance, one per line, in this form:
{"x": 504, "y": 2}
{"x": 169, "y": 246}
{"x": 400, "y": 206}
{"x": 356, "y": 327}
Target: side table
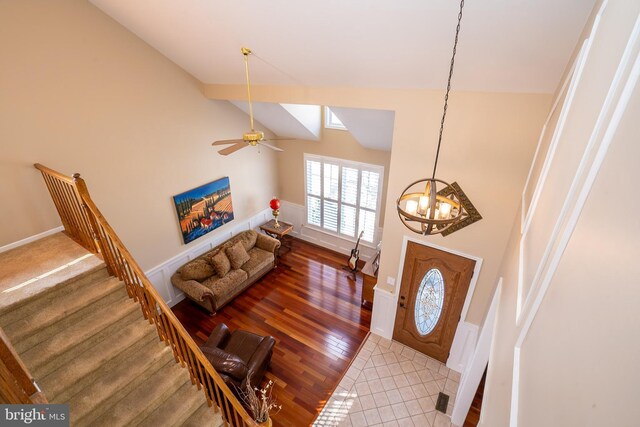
{"x": 270, "y": 229}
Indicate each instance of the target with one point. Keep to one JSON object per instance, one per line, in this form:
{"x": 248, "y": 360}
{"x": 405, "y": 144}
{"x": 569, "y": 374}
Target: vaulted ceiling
{"x": 506, "y": 46}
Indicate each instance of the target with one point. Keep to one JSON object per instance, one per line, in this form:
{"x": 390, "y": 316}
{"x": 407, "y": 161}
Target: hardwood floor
{"x": 312, "y": 308}
{"x": 473, "y": 417}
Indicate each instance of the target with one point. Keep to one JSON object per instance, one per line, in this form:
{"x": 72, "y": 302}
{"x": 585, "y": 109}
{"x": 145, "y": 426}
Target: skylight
{"x": 332, "y": 121}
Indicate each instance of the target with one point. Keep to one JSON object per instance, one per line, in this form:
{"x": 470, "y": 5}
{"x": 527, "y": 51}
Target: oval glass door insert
{"x": 429, "y": 301}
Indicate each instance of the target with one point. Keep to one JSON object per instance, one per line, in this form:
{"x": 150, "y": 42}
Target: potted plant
{"x": 261, "y": 403}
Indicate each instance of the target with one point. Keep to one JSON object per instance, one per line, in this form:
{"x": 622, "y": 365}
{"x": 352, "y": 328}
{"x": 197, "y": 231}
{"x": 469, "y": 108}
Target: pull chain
{"x": 446, "y": 96}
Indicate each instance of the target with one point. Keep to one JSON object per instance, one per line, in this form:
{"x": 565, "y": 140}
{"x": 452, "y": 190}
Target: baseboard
{"x": 31, "y": 239}
{"x": 160, "y": 275}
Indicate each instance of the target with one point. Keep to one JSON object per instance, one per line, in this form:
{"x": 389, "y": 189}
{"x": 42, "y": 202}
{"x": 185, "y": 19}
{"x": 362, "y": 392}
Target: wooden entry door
{"x": 432, "y": 292}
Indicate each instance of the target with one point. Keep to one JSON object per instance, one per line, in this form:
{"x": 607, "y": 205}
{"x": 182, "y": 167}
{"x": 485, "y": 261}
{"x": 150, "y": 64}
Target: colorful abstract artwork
{"x": 203, "y": 209}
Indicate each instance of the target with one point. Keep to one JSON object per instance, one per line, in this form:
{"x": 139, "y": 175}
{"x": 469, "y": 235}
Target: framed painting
{"x": 203, "y": 209}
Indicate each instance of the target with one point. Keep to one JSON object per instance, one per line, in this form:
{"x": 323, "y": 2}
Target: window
{"x": 332, "y": 121}
{"x": 343, "y": 197}
{"x": 429, "y": 301}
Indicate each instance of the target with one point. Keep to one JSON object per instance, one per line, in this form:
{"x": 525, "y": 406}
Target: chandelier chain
{"x": 446, "y": 96}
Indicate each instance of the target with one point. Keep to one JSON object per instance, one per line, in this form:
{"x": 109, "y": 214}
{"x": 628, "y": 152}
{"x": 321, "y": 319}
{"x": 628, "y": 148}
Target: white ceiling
{"x": 505, "y": 45}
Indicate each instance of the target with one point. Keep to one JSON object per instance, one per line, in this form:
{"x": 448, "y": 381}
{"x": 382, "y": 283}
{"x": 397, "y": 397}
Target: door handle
{"x": 402, "y": 301}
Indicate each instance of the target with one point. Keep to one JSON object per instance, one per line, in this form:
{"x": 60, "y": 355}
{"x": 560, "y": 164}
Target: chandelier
{"x": 432, "y": 206}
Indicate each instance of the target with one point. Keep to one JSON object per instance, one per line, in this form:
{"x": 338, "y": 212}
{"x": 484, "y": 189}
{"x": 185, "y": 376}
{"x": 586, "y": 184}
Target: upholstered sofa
{"x": 217, "y": 276}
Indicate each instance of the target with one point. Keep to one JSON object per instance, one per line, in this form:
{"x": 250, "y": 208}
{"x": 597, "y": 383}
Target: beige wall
{"x": 79, "y": 93}
{"x": 488, "y": 144}
{"x": 578, "y": 357}
{"x": 333, "y": 143}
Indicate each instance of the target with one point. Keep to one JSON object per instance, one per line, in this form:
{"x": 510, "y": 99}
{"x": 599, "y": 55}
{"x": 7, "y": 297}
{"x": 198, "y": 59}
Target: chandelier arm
{"x": 446, "y": 96}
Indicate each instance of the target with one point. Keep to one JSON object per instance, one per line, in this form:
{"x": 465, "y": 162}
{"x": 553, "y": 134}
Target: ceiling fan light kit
{"x": 253, "y": 137}
{"x": 432, "y": 206}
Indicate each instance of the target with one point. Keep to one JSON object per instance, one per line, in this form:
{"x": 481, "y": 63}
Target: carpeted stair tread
{"x": 69, "y": 308}
{"x": 205, "y": 415}
{"x": 89, "y": 404}
{"x": 63, "y": 347}
{"x": 66, "y": 381}
{"x": 29, "y": 306}
{"x": 147, "y": 397}
{"x": 177, "y": 408}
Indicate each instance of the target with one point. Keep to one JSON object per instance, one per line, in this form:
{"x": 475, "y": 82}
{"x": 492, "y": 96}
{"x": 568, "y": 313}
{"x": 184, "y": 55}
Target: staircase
{"x": 87, "y": 344}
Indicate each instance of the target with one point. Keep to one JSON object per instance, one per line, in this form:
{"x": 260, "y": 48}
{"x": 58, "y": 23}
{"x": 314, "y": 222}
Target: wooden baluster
{"x": 177, "y": 345}
{"x": 80, "y": 189}
{"x": 73, "y": 209}
{"x": 83, "y": 226}
{"x": 57, "y": 202}
{"x": 59, "y": 186}
{"x": 84, "y": 222}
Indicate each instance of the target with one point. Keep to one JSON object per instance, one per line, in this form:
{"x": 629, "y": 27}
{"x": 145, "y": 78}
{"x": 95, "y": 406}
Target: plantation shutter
{"x": 342, "y": 197}
{"x": 314, "y": 187}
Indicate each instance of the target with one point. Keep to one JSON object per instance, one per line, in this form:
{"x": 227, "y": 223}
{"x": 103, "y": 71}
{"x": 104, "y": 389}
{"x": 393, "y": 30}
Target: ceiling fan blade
{"x": 264, "y": 144}
{"x": 280, "y": 139}
{"x": 227, "y": 141}
{"x": 233, "y": 148}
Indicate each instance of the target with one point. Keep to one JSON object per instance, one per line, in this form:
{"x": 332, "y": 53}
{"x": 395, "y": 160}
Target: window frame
{"x": 328, "y": 123}
{"x": 360, "y": 166}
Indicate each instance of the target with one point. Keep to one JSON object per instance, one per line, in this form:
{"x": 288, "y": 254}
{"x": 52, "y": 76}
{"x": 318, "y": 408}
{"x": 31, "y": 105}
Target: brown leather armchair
{"x": 239, "y": 356}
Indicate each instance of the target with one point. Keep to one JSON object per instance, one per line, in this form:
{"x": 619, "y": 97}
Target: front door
{"x": 432, "y": 292}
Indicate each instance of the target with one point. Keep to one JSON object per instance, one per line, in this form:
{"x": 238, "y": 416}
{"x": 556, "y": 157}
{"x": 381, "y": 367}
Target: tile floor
{"x": 390, "y": 384}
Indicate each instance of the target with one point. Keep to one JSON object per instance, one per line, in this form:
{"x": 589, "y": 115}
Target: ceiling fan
{"x": 253, "y": 137}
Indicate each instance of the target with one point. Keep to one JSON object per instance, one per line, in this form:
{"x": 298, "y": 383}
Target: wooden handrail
{"x": 16, "y": 383}
{"x": 121, "y": 264}
{"x": 69, "y": 206}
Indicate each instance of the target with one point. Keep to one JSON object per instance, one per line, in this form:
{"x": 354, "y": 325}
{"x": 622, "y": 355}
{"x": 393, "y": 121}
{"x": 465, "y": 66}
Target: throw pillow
{"x": 220, "y": 263}
{"x": 198, "y": 269}
{"x": 237, "y": 255}
{"x": 248, "y": 239}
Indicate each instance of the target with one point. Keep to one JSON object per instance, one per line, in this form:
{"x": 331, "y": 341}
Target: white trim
{"x": 30, "y": 239}
{"x": 370, "y": 167}
{"x": 541, "y": 138}
{"x": 522, "y": 299}
{"x": 386, "y": 320}
{"x": 478, "y": 362}
{"x": 557, "y": 133}
{"x": 579, "y": 66}
{"x": 327, "y": 122}
{"x": 474, "y": 279}
{"x": 384, "y": 303}
{"x": 597, "y": 129}
{"x": 463, "y": 346}
{"x": 579, "y": 199}
{"x": 160, "y": 275}
{"x": 572, "y": 222}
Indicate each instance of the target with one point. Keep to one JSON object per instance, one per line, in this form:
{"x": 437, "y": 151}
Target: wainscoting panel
{"x": 589, "y": 154}
{"x": 383, "y": 315}
{"x": 160, "y": 275}
{"x": 463, "y": 346}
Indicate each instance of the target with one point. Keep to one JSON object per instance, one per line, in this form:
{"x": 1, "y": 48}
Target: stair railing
{"x": 17, "y": 386}
{"x": 121, "y": 264}
{"x": 69, "y": 206}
